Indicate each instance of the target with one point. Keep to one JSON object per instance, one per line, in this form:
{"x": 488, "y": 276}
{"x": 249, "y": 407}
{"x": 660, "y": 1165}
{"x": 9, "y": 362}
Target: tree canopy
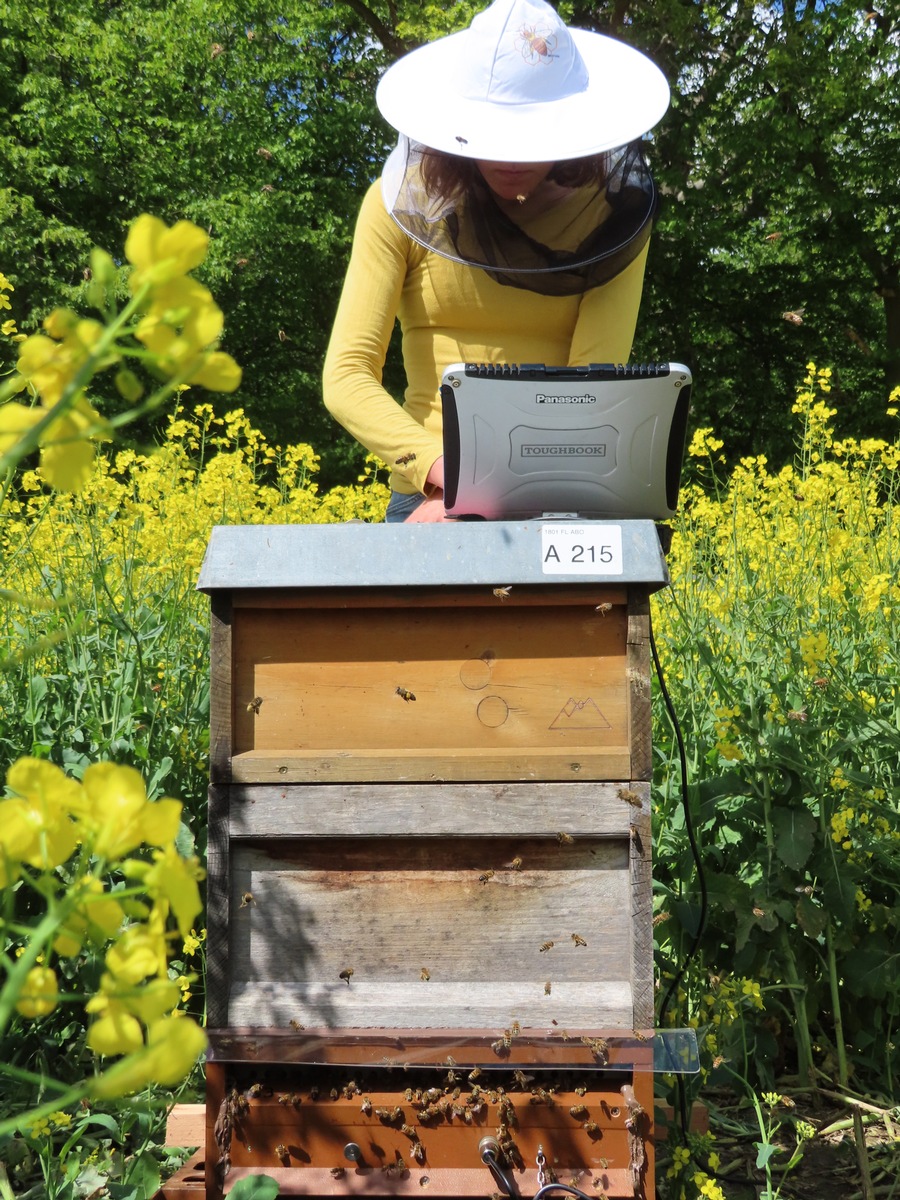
{"x": 778, "y": 164}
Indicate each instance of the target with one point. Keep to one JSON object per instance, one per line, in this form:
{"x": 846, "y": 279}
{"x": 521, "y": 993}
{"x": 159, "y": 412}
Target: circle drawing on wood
{"x": 475, "y": 674}
{"x": 492, "y": 711}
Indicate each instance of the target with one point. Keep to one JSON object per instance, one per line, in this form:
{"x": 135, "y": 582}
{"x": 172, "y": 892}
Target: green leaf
{"x": 254, "y": 1187}
{"x": 810, "y": 917}
{"x": 765, "y": 1150}
{"x": 794, "y": 835}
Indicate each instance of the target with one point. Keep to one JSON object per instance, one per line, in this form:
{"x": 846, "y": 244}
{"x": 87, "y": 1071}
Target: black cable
{"x": 561, "y": 1187}
{"x": 698, "y": 865}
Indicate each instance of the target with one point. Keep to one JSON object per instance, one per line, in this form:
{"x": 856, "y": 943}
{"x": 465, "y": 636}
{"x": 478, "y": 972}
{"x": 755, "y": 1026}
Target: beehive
{"x": 429, "y": 813}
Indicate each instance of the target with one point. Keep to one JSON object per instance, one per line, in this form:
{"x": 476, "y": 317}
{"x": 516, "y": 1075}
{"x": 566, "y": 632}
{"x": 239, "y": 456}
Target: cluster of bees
{"x": 435, "y": 1105}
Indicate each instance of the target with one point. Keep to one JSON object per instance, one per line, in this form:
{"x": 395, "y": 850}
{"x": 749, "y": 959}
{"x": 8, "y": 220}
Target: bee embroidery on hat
{"x": 536, "y": 45}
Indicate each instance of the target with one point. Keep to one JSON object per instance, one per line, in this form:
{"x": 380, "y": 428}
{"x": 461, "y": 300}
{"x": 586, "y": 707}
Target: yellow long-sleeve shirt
{"x": 449, "y": 313}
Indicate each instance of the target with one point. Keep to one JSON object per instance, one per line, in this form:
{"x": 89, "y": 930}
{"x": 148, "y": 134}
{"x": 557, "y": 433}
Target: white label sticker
{"x": 581, "y": 549}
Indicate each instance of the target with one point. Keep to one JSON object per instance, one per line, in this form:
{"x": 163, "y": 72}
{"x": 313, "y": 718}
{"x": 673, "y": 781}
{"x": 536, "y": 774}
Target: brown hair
{"x": 450, "y": 176}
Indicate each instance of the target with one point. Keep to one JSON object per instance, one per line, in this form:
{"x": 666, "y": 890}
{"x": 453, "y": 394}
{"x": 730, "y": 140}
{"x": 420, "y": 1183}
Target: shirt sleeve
{"x": 354, "y": 364}
{"x": 607, "y": 317}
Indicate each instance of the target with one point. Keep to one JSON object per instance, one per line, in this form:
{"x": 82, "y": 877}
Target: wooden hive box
{"x": 429, "y": 813}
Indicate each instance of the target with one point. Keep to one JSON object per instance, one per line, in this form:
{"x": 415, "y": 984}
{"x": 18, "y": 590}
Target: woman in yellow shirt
{"x": 510, "y": 225}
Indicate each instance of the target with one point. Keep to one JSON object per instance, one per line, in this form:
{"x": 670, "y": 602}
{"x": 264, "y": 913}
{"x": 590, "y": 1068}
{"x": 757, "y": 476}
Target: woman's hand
{"x": 430, "y": 510}
{"x": 432, "y": 507}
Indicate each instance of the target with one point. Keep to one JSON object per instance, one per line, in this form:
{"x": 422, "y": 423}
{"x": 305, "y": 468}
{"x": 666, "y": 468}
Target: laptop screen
{"x": 597, "y": 442}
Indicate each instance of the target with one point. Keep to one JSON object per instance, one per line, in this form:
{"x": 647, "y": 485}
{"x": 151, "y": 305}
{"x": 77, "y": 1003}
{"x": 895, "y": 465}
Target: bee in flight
{"x": 345, "y": 975}
{"x": 404, "y": 460}
{"x": 255, "y": 704}
{"x": 546, "y": 946}
{"x": 246, "y": 899}
{"x": 548, "y": 988}
{"x": 565, "y": 839}
{"x": 405, "y": 694}
{"x": 604, "y": 608}
{"x": 425, "y": 975}
{"x": 502, "y": 592}
{"x": 629, "y": 797}
{"x": 578, "y": 939}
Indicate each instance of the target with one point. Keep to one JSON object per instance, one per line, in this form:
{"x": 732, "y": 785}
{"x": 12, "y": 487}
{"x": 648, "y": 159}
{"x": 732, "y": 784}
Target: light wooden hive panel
{"x": 390, "y": 908}
{"x": 485, "y": 692}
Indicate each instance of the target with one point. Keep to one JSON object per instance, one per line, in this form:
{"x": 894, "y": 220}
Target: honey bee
{"x": 661, "y": 918}
{"x": 579, "y": 1112}
{"x": 296, "y": 1025}
{"x": 592, "y": 1129}
{"x": 515, "y": 865}
{"x": 418, "y": 1153}
{"x": 474, "y": 1074}
{"x": 289, "y": 1099}
{"x": 546, "y": 946}
{"x": 404, "y": 460}
{"x": 486, "y": 875}
{"x": 345, "y": 975}
{"x": 565, "y": 839}
{"x": 366, "y": 1107}
{"x": 638, "y": 1036}
{"x": 246, "y": 899}
{"x": 604, "y": 608}
{"x": 337, "y": 1172}
{"x": 718, "y": 1060}
{"x": 522, "y": 1079}
{"x": 542, "y": 1096}
{"x": 408, "y": 1131}
{"x": 599, "y": 1047}
{"x": 578, "y": 939}
{"x": 501, "y": 1047}
{"x": 502, "y": 592}
{"x": 759, "y": 912}
{"x": 581, "y": 1090}
{"x": 255, "y": 704}
{"x": 548, "y": 987}
{"x": 630, "y": 797}
{"x": 334, "y": 1094}
{"x": 314, "y": 1092}
{"x": 404, "y": 694}
{"x": 351, "y": 1089}
{"x": 424, "y": 974}
{"x": 281, "y": 1151}
{"x": 515, "y": 1029}
{"x": 794, "y": 316}
{"x": 395, "y": 1169}
{"x": 255, "y": 1090}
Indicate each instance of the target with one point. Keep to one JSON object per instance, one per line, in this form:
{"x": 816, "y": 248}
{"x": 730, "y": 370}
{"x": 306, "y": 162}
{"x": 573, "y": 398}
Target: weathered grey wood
{"x": 472, "y": 1005}
{"x": 221, "y": 737}
{"x": 304, "y": 912}
{"x": 218, "y": 889}
{"x": 436, "y": 766}
{"x": 430, "y": 810}
{"x": 638, "y": 674}
{"x": 642, "y": 910}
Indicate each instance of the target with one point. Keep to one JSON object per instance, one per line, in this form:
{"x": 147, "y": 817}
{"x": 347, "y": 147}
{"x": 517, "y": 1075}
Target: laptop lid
{"x": 597, "y": 442}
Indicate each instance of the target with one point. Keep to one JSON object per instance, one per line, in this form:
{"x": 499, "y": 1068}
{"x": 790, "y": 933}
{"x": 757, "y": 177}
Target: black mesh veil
{"x": 596, "y": 230}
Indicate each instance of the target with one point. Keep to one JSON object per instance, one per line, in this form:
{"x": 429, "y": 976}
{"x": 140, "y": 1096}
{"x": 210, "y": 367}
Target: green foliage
{"x": 780, "y": 638}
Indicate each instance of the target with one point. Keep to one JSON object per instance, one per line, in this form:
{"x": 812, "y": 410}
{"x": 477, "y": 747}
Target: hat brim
{"x": 626, "y": 96}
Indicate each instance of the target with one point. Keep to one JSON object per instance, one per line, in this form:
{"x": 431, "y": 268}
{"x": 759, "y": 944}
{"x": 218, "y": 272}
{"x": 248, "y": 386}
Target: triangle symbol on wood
{"x": 580, "y": 714}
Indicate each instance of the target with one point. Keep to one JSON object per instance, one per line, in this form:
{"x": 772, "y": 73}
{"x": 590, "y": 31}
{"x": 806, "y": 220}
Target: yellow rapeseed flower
{"x": 39, "y": 993}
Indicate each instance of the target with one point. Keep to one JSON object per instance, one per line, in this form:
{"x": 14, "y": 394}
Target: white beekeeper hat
{"x": 520, "y": 86}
